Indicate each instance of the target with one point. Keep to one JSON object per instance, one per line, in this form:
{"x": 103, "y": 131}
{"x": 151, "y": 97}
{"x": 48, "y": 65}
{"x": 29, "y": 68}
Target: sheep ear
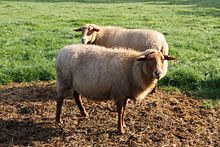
{"x": 77, "y": 30}
{"x": 96, "y": 29}
{"x": 166, "y": 57}
{"x": 141, "y": 58}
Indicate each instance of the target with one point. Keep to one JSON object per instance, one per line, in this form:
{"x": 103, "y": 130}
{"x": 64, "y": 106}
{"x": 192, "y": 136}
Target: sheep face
{"x": 155, "y": 59}
{"x": 88, "y": 33}
{"x": 154, "y": 63}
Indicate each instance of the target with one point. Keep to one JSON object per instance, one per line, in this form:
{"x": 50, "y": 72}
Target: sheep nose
{"x": 157, "y": 74}
{"x": 84, "y": 41}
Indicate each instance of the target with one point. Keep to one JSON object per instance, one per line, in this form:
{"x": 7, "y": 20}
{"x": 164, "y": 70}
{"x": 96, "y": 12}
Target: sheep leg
{"x": 120, "y": 107}
{"x": 60, "y": 98}
{"x": 79, "y": 103}
{"x": 154, "y": 90}
{"x": 124, "y": 107}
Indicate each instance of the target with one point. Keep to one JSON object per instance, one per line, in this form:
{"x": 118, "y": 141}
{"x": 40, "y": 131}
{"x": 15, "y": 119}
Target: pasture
{"x": 184, "y": 112}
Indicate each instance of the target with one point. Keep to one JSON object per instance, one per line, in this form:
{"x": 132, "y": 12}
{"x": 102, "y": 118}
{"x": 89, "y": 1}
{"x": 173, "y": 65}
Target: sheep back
{"x": 137, "y": 39}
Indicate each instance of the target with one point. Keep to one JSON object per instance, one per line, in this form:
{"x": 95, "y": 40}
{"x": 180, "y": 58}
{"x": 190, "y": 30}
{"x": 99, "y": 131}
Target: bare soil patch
{"x": 27, "y": 113}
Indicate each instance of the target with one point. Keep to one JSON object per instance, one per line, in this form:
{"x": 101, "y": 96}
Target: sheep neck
{"x": 97, "y": 36}
{"x": 93, "y": 39}
{"x": 101, "y": 37}
{"x": 143, "y": 83}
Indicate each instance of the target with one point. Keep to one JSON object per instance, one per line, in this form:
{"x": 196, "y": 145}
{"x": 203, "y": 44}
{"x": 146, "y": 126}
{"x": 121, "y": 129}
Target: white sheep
{"x": 137, "y": 39}
{"x": 98, "y": 73}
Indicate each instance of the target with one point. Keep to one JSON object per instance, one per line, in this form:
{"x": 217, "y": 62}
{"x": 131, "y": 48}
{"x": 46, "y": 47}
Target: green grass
{"x": 32, "y": 32}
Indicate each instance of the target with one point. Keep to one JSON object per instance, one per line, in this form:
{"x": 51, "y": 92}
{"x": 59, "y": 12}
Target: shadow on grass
{"x": 193, "y": 84}
{"x": 210, "y": 89}
{"x": 23, "y": 133}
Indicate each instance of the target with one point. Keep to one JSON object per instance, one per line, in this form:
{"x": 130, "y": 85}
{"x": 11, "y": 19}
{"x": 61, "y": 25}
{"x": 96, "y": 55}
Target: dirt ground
{"x": 27, "y": 113}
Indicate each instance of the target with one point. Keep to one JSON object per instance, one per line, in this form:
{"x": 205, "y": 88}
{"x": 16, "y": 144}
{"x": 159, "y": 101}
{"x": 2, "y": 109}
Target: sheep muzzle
{"x": 157, "y": 74}
{"x": 84, "y": 41}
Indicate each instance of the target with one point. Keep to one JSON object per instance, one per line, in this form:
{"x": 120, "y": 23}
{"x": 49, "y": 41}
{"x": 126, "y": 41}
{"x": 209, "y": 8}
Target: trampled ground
{"x": 162, "y": 119}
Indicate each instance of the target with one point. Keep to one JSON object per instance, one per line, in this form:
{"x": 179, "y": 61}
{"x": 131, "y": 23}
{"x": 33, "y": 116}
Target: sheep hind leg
{"x": 78, "y": 100}
{"x": 60, "y": 98}
{"x": 124, "y": 107}
{"x": 120, "y": 109}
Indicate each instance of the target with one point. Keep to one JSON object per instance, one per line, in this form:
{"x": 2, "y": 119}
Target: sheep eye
{"x": 90, "y": 28}
{"x": 150, "y": 58}
{"x": 89, "y": 33}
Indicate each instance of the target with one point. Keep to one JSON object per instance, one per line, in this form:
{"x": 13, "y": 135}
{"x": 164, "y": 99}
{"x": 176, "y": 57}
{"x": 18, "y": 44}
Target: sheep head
{"x": 88, "y": 33}
{"x": 154, "y": 62}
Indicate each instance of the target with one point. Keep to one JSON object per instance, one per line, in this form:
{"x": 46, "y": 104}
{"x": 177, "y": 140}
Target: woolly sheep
{"x": 98, "y": 73}
{"x": 137, "y": 39}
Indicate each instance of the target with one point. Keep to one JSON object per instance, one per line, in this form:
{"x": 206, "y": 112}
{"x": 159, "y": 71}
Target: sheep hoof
{"x": 122, "y": 131}
{"x": 85, "y": 114}
{"x": 58, "y": 121}
{"x": 154, "y": 90}
{"x": 58, "y": 125}
{"x": 59, "y": 130}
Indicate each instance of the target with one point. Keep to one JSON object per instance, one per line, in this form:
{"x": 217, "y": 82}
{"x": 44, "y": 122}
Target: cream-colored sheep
{"x": 98, "y": 73}
{"x": 137, "y": 39}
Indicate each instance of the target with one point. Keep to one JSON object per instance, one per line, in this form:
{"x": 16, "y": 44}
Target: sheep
{"x": 137, "y": 39}
{"x": 100, "y": 74}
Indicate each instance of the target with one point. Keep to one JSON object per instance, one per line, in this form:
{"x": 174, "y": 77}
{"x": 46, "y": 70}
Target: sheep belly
{"x": 91, "y": 90}
{"x": 102, "y": 88}
{"x": 101, "y": 79}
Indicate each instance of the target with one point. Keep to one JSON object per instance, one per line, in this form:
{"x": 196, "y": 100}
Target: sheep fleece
{"x": 97, "y": 72}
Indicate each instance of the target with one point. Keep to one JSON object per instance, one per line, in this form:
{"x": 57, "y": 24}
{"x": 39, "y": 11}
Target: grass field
{"x": 32, "y": 32}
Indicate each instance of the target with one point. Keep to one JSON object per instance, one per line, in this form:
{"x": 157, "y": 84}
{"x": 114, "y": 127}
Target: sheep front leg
{"x": 154, "y": 90}
{"x": 79, "y": 104}
{"x": 120, "y": 109}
